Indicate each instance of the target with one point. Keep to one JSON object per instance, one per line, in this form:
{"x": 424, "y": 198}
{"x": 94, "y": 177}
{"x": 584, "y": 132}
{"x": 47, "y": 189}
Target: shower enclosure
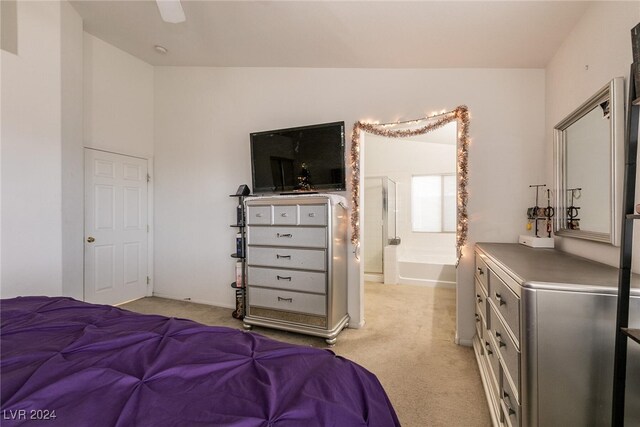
{"x": 380, "y": 221}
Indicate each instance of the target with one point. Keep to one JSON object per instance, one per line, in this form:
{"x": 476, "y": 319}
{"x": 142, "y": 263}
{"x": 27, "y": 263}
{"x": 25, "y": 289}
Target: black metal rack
{"x": 536, "y": 213}
{"x": 240, "y": 255}
{"x": 624, "y": 278}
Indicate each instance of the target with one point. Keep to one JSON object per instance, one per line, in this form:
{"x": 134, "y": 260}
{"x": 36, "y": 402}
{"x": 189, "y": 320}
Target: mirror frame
{"x": 614, "y": 91}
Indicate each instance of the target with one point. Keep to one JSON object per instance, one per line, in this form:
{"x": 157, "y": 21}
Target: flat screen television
{"x": 300, "y": 159}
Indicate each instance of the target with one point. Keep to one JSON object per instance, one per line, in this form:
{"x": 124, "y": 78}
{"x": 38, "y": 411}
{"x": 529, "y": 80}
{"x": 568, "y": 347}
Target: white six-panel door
{"x": 115, "y": 256}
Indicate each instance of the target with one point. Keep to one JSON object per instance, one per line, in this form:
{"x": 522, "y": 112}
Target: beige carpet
{"x": 407, "y": 342}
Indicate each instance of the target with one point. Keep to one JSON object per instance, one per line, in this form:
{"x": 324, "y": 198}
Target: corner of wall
{"x": 72, "y": 180}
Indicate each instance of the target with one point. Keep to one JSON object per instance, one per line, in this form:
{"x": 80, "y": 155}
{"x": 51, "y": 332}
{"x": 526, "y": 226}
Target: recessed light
{"x": 171, "y": 11}
{"x": 160, "y": 49}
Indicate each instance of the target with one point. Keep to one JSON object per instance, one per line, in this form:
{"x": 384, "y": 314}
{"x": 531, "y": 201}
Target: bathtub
{"x": 419, "y": 266}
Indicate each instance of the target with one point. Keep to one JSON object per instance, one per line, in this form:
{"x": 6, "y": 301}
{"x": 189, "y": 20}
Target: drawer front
{"x": 481, "y": 300}
{"x": 307, "y": 259}
{"x": 492, "y": 357}
{"x": 305, "y": 237}
{"x": 482, "y": 272}
{"x": 507, "y": 350}
{"x": 306, "y": 281}
{"x": 288, "y": 301}
{"x": 494, "y": 390}
{"x": 285, "y": 215}
{"x": 479, "y": 324}
{"x": 260, "y": 215}
{"x": 507, "y": 303}
{"x": 510, "y": 407}
{"x": 313, "y": 215}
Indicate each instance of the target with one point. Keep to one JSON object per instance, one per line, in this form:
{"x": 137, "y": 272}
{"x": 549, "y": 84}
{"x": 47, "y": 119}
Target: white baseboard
{"x": 127, "y": 302}
{"x": 373, "y": 277}
{"x": 426, "y": 282}
{"x": 353, "y": 325}
{"x": 462, "y": 342}
{"x": 196, "y": 301}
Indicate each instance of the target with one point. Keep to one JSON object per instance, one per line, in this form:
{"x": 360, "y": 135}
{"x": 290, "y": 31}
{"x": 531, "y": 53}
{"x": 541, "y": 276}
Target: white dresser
{"x": 545, "y": 337}
{"x": 297, "y": 264}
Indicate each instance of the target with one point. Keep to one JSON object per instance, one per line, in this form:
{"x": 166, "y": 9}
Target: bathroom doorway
{"x": 364, "y": 131}
{"x": 409, "y": 209}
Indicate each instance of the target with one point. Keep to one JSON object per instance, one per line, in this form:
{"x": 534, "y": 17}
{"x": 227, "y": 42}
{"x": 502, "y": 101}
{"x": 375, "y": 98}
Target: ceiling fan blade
{"x": 171, "y": 11}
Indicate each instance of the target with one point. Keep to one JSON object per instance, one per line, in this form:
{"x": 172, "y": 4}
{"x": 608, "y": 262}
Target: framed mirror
{"x": 589, "y": 162}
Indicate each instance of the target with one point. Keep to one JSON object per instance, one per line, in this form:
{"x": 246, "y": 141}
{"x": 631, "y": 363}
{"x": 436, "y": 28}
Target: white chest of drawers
{"x": 297, "y": 264}
{"x": 545, "y": 331}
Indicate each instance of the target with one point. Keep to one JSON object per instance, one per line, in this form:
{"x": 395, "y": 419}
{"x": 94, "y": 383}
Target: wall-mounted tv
{"x": 301, "y": 159}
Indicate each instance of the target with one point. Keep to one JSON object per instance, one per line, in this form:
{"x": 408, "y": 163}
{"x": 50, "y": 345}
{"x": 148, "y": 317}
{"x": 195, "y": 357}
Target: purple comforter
{"x": 69, "y": 363}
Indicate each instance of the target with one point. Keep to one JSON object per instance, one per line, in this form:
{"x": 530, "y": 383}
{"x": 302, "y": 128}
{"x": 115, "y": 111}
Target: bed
{"x": 70, "y": 363}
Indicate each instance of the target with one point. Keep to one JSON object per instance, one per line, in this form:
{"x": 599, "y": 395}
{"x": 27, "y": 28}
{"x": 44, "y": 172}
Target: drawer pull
{"x": 283, "y": 278}
{"x": 499, "y": 299}
{"x": 480, "y": 272}
{"x": 477, "y": 317}
{"x": 312, "y": 214}
{"x": 283, "y": 235}
{"x": 259, "y": 215}
{"x": 488, "y": 348}
{"x": 507, "y": 403}
{"x": 278, "y": 256}
{"x": 500, "y": 342}
{"x": 479, "y": 298}
{"x": 285, "y": 299}
{"x": 283, "y": 214}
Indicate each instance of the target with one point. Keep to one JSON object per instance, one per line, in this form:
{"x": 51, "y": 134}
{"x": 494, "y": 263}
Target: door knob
{"x": 90, "y": 239}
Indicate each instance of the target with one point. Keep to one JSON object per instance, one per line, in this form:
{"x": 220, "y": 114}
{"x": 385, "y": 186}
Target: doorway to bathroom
{"x": 409, "y": 209}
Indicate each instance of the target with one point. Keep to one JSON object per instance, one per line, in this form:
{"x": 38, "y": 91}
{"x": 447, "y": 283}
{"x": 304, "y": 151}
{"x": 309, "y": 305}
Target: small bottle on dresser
{"x": 240, "y": 215}
{"x": 239, "y": 246}
{"x": 239, "y": 279}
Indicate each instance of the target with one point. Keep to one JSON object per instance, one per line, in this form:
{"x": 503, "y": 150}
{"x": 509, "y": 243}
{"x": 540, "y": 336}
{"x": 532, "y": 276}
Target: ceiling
{"x": 339, "y": 34}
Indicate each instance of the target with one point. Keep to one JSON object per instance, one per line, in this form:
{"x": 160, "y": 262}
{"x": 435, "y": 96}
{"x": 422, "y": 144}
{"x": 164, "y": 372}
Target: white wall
{"x": 597, "y": 50}
{"x": 372, "y": 210}
{"x": 31, "y": 155}
{"x": 203, "y": 117}
{"x": 118, "y": 100}
{"x": 118, "y": 108}
{"x": 72, "y": 156}
{"x": 44, "y": 87}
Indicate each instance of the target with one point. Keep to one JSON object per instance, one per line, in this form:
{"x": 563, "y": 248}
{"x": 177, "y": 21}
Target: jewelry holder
{"x": 573, "y": 222}
{"x": 536, "y": 214}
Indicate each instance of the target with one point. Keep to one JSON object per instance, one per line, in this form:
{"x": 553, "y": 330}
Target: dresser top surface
{"x": 292, "y": 199}
{"x": 552, "y": 269}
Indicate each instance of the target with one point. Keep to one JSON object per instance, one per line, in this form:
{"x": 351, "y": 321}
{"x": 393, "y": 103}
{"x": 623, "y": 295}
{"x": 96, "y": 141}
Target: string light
{"x": 461, "y": 114}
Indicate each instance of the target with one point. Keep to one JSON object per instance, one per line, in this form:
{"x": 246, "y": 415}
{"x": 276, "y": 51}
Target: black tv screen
{"x": 301, "y": 159}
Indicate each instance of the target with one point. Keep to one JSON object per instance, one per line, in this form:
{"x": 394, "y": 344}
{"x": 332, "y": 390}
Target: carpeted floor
{"x": 407, "y": 342}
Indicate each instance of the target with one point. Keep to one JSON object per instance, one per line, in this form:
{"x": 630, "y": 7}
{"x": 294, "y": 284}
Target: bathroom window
{"x": 433, "y": 203}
